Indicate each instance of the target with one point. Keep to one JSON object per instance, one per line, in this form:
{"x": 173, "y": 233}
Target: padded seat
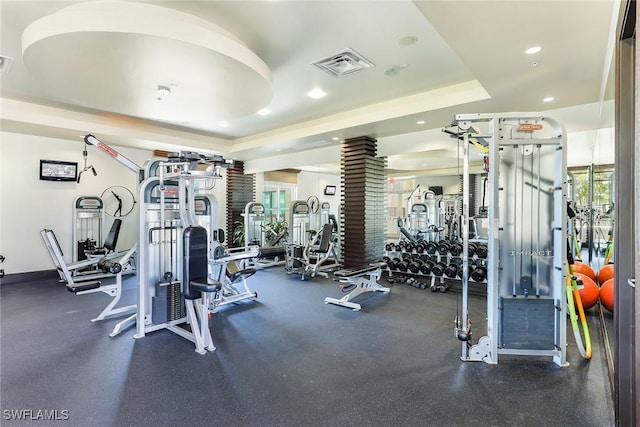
{"x": 195, "y": 278}
{"x": 110, "y": 242}
{"x": 234, "y": 273}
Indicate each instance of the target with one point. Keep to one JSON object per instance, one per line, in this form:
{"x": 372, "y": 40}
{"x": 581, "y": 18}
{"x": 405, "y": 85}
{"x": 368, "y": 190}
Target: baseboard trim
{"x": 30, "y": 276}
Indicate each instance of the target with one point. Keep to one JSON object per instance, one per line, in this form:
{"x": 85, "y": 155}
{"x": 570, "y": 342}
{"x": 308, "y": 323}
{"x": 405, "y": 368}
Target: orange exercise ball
{"x": 589, "y": 293}
{"x": 580, "y": 267}
{"x": 605, "y": 273}
{"x": 607, "y": 292}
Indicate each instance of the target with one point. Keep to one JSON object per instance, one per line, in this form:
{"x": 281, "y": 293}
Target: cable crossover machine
{"x": 526, "y": 272}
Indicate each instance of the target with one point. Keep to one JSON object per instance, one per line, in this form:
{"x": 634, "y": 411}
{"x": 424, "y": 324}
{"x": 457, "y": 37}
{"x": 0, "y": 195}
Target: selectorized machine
{"x": 526, "y": 272}
{"x": 258, "y": 232}
{"x": 310, "y": 253}
{"x": 183, "y": 272}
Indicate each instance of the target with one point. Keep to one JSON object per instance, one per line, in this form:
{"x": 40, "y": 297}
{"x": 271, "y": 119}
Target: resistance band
{"x": 573, "y": 293}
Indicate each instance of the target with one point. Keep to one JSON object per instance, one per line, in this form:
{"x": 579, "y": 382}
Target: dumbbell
{"x": 431, "y": 247}
{"x": 415, "y": 265}
{"x": 482, "y": 251}
{"x": 472, "y": 248}
{"x": 461, "y": 270}
{"x": 389, "y": 247}
{"x": 451, "y": 271}
{"x": 393, "y": 264}
{"x": 479, "y": 273}
{"x": 443, "y": 247}
{"x": 438, "y": 269}
{"x": 455, "y": 248}
{"x": 404, "y": 265}
{"x": 426, "y": 267}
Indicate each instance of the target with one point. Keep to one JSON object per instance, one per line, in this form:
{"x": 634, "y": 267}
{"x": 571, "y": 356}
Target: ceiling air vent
{"x": 5, "y": 64}
{"x": 344, "y": 63}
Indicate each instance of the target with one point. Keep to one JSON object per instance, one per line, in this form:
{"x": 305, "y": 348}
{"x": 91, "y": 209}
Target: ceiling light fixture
{"x": 407, "y": 40}
{"x": 420, "y": 122}
{"x": 223, "y": 124}
{"x": 316, "y": 93}
{"x": 548, "y": 99}
{"x": 533, "y": 50}
{"x": 263, "y": 112}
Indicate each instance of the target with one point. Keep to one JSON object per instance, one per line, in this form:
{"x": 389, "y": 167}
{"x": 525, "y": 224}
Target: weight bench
{"x": 80, "y": 282}
{"x": 358, "y": 280}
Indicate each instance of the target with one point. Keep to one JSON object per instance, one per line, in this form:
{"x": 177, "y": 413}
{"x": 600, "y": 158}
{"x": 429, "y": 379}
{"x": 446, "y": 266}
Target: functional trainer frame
{"x": 526, "y": 305}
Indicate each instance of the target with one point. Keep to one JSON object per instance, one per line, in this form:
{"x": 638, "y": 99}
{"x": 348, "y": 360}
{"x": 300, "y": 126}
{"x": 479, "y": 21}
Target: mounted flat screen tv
{"x": 56, "y": 170}
{"x": 330, "y": 190}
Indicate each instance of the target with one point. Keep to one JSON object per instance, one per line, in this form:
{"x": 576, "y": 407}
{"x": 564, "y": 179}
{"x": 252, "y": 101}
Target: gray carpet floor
{"x": 286, "y": 359}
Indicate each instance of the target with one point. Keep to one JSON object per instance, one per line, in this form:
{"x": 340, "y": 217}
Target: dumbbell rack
{"x": 441, "y": 261}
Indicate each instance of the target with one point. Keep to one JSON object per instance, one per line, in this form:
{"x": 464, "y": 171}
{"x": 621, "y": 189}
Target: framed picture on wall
{"x": 56, "y": 170}
{"x": 330, "y": 190}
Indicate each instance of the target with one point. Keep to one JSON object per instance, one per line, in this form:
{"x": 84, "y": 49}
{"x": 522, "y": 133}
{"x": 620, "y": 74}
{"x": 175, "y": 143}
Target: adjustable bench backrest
{"x": 112, "y": 238}
{"x": 195, "y": 263}
{"x": 325, "y": 240}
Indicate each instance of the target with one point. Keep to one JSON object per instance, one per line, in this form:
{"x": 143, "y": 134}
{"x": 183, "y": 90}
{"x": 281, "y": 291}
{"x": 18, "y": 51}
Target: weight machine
{"x": 311, "y": 253}
{"x": 272, "y": 250}
{"x": 88, "y": 221}
{"x": 182, "y": 266}
{"x": 84, "y": 277}
{"x": 526, "y": 272}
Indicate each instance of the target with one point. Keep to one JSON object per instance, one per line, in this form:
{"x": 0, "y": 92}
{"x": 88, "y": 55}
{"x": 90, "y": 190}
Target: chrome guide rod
{"x": 538, "y": 228}
{"x": 465, "y": 240}
{"x": 515, "y": 220}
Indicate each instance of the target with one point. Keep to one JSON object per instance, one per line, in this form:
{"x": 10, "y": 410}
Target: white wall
{"x": 28, "y": 204}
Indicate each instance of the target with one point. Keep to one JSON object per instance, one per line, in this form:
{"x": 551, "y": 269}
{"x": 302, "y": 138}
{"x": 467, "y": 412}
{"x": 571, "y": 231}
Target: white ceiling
{"x": 94, "y": 67}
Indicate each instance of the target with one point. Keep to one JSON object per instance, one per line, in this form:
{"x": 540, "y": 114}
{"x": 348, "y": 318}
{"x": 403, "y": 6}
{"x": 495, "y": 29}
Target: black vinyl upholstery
{"x": 195, "y": 264}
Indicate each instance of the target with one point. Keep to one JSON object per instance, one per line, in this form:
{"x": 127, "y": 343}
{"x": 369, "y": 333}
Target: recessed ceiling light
{"x": 548, "y": 99}
{"x": 316, "y": 93}
{"x": 335, "y": 138}
{"x": 223, "y": 124}
{"x": 532, "y": 50}
{"x": 263, "y": 112}
{"x": 420, "y": 122}
{"x": 407, "y": 40}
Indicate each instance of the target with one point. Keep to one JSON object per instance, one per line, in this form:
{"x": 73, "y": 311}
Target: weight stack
{"x": 363, "y": 202}
{"x": 168, "y": 304}
{"x": 240, "y": 191}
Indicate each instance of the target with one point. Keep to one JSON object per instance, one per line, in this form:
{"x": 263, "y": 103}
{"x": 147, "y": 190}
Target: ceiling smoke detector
{"x": 344, "y": 63}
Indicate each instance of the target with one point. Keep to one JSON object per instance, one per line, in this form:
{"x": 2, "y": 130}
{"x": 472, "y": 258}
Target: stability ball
{"x": 605, "y": 273}
{"x": 589, "y": 293}
{"x": 607, "y": 292}
{"x": 580, "y": 267}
